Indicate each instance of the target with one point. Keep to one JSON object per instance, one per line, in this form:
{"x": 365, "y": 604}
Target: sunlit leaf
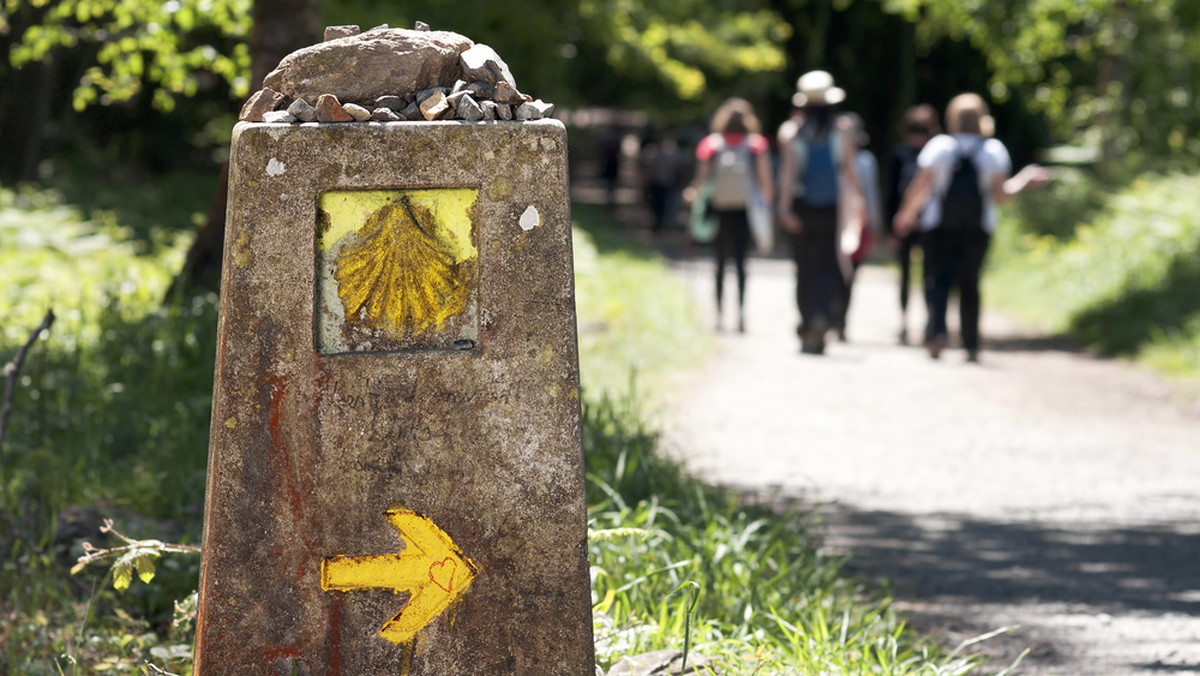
{"x": 122, "y": 573}
{"x": 145, "y": 568}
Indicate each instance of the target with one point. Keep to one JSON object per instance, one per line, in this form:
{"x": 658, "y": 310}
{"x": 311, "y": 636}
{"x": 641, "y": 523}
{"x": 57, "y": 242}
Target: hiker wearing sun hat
{"x": 816, "y": 88}
{"x": 816, "y": 167}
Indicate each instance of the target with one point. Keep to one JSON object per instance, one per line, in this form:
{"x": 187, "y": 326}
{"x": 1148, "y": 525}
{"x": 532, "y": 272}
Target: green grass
{"x": 110, "y": 419}
{"x": 1123, "y": 281}
{"x": 112, "y": 415}
{"x": 638, "y": 324}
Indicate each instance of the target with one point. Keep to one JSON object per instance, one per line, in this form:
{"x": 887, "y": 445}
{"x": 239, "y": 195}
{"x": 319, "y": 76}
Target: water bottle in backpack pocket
{"x": 962, "y": 202}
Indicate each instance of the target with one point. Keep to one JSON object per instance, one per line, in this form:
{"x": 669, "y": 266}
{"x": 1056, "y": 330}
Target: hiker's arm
{"x": 1031, "y": 177}
{"x": 849, "y": 165}
{"x": 787, "y": 179}
{"x": 692, "y": 191}
{"x": 850, "y": 170}
{"x": 914, "y": 199}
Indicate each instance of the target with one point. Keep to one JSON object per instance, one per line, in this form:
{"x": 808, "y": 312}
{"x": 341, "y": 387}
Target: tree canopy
{"x": 1117, "y": 74}
{"x": 165, "y": 47}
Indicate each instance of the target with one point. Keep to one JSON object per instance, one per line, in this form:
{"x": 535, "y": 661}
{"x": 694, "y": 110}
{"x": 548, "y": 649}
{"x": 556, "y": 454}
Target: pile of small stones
{"x": 392, "y": 75}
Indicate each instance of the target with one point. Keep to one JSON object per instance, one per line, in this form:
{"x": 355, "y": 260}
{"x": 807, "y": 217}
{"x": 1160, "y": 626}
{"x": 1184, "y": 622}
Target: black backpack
{"x": 962, "y": 203}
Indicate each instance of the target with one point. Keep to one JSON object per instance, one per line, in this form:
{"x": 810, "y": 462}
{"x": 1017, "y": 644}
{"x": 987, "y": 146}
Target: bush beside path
{"x": 1043, "y": 488}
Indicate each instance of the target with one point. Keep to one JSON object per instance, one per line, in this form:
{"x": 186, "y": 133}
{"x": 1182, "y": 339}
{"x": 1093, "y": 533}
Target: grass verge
{"x": 1117, "y": 271}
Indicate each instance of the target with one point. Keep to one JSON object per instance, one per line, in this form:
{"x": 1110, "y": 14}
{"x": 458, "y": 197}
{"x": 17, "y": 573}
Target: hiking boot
{"x": 936, "y": 344}
{"x": 812, "y": 338}
{"x": 904, "y": 336}
{"x": 812, "y": 345}
{"x": 972, "y": 356}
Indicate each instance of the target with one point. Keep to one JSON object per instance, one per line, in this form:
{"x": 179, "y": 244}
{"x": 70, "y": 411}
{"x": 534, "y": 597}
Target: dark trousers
{"x": 733, "y": 241}
{"x": 954, "y": 260}
{"x": 820, "y": 286}
{"x": 662, "y": 198}
{"x": 844, "y": 310}
{"x": 905, "y": 253}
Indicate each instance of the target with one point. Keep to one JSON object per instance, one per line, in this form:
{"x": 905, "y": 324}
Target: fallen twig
{"x": 155, "y": 670}
{"x": 12, "y": 369}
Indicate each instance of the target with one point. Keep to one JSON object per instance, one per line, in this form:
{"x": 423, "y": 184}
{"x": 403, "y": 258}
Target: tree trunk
{"x": 280, "y": 28}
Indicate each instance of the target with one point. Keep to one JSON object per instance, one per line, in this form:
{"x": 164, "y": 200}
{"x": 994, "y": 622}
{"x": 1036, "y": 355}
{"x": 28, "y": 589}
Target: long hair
{"x": 818, "y": 120}
{"x": 735, "y": 116}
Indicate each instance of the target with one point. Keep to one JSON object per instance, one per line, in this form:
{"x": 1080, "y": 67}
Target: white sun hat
{"x": 815, "y": 88}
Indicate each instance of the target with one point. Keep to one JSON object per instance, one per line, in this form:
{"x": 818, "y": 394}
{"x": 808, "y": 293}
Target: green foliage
{"x": 623, "y": 330}
{"x": 1121, "y": 75}
{"x": 1125, "y": 281}
{"x": 685, "y": 44}
{"x": 114, "y": 405}
{"x": 1073, "y": 197}
{"x": 111, "y": 410}
{"x": 140, "y": 43}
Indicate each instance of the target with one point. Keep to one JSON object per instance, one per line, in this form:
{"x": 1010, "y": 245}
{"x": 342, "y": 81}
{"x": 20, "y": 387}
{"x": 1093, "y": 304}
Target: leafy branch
{"x": 134, "y": 555}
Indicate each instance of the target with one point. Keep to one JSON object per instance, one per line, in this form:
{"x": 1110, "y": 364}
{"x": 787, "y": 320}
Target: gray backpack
{"x": 732, "y": 174}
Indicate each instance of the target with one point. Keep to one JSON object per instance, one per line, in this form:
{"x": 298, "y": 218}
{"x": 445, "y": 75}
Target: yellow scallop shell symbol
{"x": 398, "y": 276}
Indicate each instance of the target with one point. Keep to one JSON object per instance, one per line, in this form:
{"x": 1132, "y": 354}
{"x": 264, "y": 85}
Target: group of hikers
{"x": 825, "y": 195}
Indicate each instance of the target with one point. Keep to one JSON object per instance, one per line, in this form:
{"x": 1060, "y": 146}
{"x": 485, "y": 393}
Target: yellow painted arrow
{"x": 431, "y": 568}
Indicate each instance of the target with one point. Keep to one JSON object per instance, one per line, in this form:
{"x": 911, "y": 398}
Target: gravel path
{"x": 1042, "y": 488}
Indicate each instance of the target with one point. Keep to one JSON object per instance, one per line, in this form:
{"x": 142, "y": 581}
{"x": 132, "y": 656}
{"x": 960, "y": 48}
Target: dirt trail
{"x": 1042, "y": 488}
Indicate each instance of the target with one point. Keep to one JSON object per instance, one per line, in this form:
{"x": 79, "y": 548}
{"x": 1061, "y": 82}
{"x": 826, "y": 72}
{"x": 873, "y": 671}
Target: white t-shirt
{"x": 940, "y": 155}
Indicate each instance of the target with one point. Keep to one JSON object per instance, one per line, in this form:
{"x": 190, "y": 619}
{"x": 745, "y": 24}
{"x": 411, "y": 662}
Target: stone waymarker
{"x": 395, "y": 473}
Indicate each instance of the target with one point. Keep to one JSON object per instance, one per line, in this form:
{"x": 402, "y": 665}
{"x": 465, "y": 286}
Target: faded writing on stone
{"x": 385, "y": 412}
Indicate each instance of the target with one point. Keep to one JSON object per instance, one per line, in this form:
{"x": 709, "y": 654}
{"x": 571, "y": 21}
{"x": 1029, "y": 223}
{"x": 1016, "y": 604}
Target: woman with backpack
{"x": 734, "y": 172}
{"x": 816, "y": 160}
{"x": 961, "y": 177}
